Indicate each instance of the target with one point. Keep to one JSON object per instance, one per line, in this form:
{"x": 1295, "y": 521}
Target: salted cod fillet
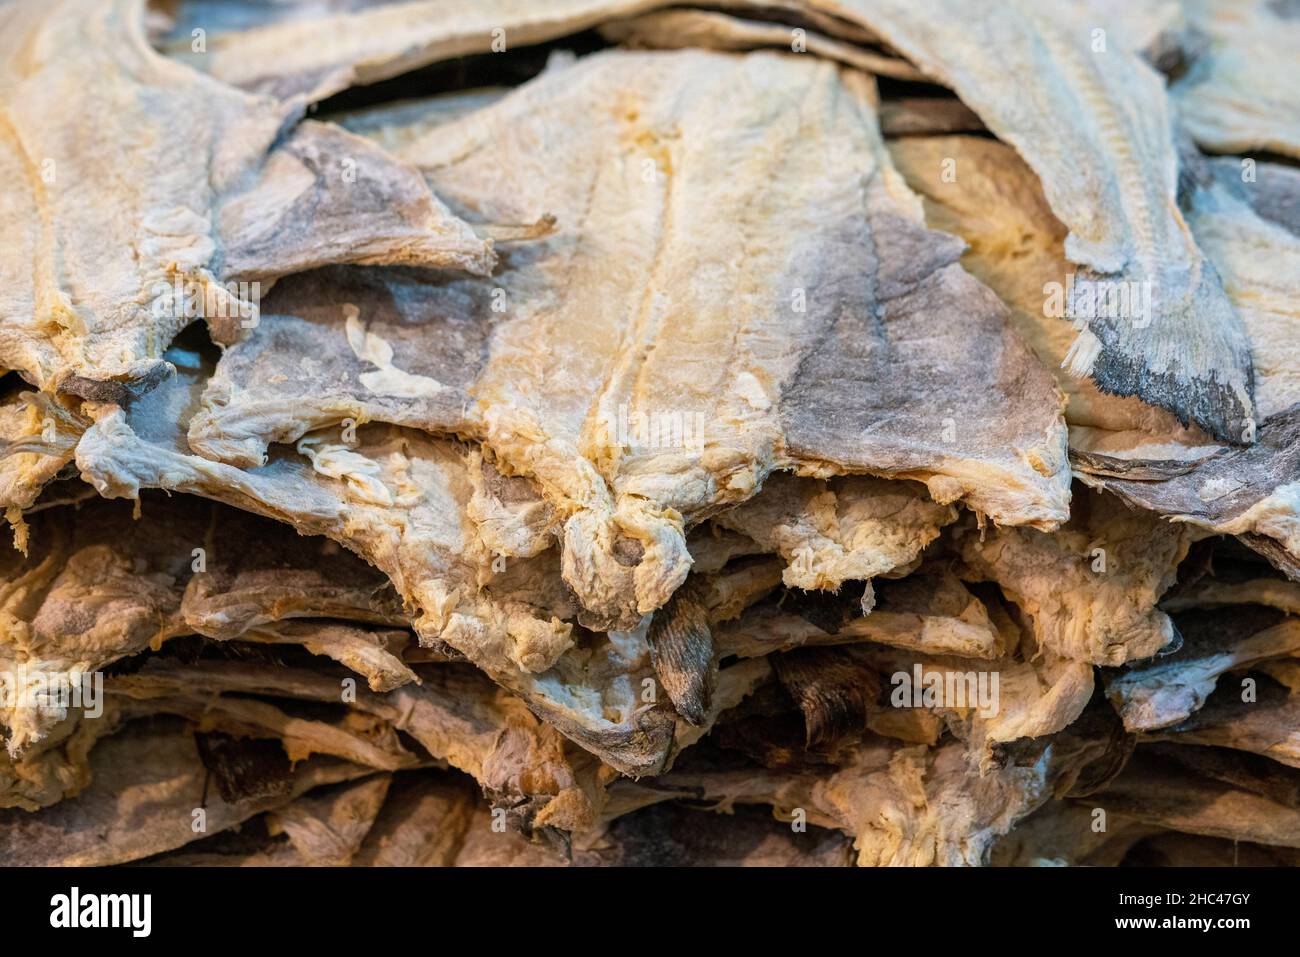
{"x": 1243, "y": 92}
{"x": 595, "y": 381}
{"x": 1090, "y": 590}
{"x": 146, "y": 783}
{"x": 903, "y": 805}
{"x": 678, "y": 29}
{"x": 1187, "y": 352}
{"x": 289, "y": 51}
{"x": 1114, "y": 187}
{"x": 163, "y": 180}
{"x": 1135, "y": 450}
{"x": 456, "y": 714}
{"x": 1016, "y": 246}
{"x": 1252, "y": 492}
{"x": 400, "y": 499}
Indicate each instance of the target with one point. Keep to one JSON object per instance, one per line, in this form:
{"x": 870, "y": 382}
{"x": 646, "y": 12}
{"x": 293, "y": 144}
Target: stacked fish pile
{"x": 616, "y": 431}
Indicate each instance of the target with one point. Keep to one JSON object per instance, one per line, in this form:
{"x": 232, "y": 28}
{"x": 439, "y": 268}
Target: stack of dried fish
{"x": 619, "y": 431}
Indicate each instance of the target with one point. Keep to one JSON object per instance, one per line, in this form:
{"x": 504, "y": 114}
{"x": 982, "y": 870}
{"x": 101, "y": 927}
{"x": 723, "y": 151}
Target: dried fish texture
{"x": 1259, "y": 261}
{"x": 116, "y": 586}
{"x": 1211, "y": 592}
{"x": 1277, "y": 197}
{"x": 704, "y": 29}
{"x": 38, "y": 438}
{"x": 375, "y": 654}
{"x": 113, "y": 248}
{"x": 297, "y": 51}
{"x": 928, "y": 613}
{"x": 1016, "y": 246}
{"x": 904, "y": 806}
{"x": 1164, "y": 691}
{"x": 57, "y": 766}
{"x": 846, "y": 529}
{"x": 433, "y": 819}
{"x": 424, "y": 822}
{"x": 1063, "y": 834}
{"x": 1243, "y": 92}
{"x": 146, "y": 783}
{"x": 84, "y": 597}
{"x": 286, "y": 576}
{"x": 456, "y": 714}
{"x": 1157, "y": 29}
{"x": 1114, "y": 189}
{"x": 1267, "y": 723}
{"x": 1245, "y": 492}
{"x": 327, "y": 827}
{"x": 293, "y": 54}
{"x": 361, "y": 739}
{"x": 675, "y": 431}
{"x": 1090, "y": 589}
{"x": 1180, "y": 789}
{"x": 654, "y": 369}
{"x": 1248, "y": 492}
{"x": 400, "y": 498}
{"x": 926, "y": 116}
{"x": 393, "y": 126}
{"x": 1171, "y": 849}
{"x": 1037, "y": 694}
{"x": 342, "y": 343}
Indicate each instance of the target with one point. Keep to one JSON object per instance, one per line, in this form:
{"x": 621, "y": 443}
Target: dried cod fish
{"x": 679, "y": 29}
{"x": 1188, "y": 352}
{"x": 929, "y": 613}
{"x": 1162, "y": 692}
{"x": 1277, "y": 197}
{"x": 1090, "y": 590}
{"x": 1246, "y": 492}
{"x": 455, "y": 714}
{"x": 1016, "y": 245}
{"x": 328, "y": 827}
{"x": 399, "y": 498}
{"x": 1165, "y": 691}
{"x": 925, "y": 116}
{"x": 286, "y": 576}
{"x": 1169, "y": 787}
{"x": 1242, "y": 93}
{"x": 86, "y": 596}
{"x": 38, "y": 438}
{"x": 147, "y": 782}
{"x": 432, "y": 819}
{"x": 374, "y": 654}
{"x": 1212, "y": 592}
{"x": 111, "y": 251}
{"x": 1267, "y": 724}
{"x": 1064, "y": 834}
{"x": 57, "y": 766}
{"x": 672, "y": 432}
{"x": 1037, "y": 694}
{"x": 293, "y": 50}
{"x": 847, "y": 529}
{"x": 908, "y": 806}
{"x": 1171, "y": 849}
